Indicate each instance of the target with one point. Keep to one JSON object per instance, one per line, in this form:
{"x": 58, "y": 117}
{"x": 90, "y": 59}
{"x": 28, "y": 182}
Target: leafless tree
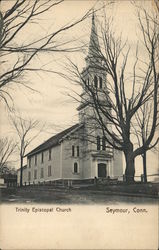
{"x": 18, "y": 17}
{"x": 143, "y": 119}
{"x": 7, "y": 148}
{"x": 113, "y": 103}
{"x": 27, "y": 130}
{"x": 147, "y": 114}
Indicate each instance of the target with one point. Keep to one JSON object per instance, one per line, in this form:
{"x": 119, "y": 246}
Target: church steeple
{"x": 94, "y": 46}
{"x": 93, "y": 75}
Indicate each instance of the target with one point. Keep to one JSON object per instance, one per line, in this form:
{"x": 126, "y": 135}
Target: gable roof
{"x": 54, "y": 140}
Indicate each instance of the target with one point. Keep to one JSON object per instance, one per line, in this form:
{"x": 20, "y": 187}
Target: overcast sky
{"x": 52, "y": 105}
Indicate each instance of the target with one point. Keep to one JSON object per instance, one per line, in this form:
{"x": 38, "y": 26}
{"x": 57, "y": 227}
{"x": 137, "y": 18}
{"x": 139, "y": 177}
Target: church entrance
{"x": 102, "y": 172}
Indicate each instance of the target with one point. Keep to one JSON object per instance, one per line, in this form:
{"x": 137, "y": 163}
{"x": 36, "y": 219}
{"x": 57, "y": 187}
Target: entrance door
{"x": 102, "y": 172}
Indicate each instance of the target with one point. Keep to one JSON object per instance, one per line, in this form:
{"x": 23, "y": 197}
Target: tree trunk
{"x": 21, "y": 171}
{"x": 144, "y": 166}
{"x": 130, "y": 166}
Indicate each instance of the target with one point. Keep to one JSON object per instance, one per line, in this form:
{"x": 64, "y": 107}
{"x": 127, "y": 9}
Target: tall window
{"x": 103, "y": 143}
{"x": 77, "y": 150}
{"x": 88, "y": 81}
{"x": 49, "y": 154}
{"x": 29, "y": 176}
{"x": 35, "y": 159}
{"x": 29, "y": 162}
{"x": 98, "y": 142}
{"x": 95, "y": 82}
{"x": 35, "y": 174}
{"x": 100, "y": 82}
{"x": 75, "y": 168}
{"x": 73, "y": 150}
{"x": 42, "y": 157}
{"x": 49, "y": 170}
{"x": 42, "y": 173}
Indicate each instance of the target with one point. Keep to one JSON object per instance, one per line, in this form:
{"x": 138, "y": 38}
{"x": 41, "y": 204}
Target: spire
{"x": 94, "y": 46}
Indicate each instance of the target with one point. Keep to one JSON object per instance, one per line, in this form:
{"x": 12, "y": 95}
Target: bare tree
{"x": 144, "y": 115}
{"x": 112, "y": 102}
{"x": 17, "y": 18}
{"x": 27, "y": 131}
{"x": 144, "y": 118}
{"x": 7, "y": 148}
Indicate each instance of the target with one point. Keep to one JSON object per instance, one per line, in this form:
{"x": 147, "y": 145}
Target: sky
{"x": 51, "y": 104}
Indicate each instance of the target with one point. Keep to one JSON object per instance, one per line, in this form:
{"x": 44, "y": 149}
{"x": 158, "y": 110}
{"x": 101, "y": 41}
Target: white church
{"x": 80, "y": 152}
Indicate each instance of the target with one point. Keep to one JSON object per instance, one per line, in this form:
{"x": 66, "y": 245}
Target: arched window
{"x": 98, "y": 142}
{"x": 100, "y": 82}
{"x": 103, "y": 143}
{"x": 95, "y": 82}
{"x": 75, "y": 167}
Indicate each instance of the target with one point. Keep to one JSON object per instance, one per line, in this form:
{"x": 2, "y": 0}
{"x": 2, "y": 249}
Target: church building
{"x": 80, "y": 152}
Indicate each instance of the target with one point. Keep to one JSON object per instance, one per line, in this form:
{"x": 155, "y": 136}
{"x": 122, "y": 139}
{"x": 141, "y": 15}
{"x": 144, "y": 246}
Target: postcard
{"x": 79, "y": 151}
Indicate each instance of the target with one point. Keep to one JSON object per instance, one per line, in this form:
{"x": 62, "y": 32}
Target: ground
{"x": 86, "y": 195}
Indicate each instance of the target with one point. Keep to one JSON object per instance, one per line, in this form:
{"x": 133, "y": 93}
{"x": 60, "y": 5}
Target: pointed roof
{"x": 94, "y": 46}
{"x": 54, "y": 140}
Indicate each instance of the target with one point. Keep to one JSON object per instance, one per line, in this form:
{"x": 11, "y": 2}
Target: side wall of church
{"x": 70, "y": 159}
{"x": 49, "y": 167}
{"x": 83, "y": 160}
{"x": 61, "y": 164}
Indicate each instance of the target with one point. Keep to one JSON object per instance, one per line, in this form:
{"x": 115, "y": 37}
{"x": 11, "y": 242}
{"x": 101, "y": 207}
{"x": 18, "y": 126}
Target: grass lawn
{"x": 138, "y": 188}
{"x": 110, "y": 194}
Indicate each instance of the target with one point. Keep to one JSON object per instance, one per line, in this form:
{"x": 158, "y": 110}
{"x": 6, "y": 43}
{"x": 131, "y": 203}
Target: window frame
{"x": 42, "y": 173}
{"x": 95, "y": 81}
{"x": 42, "y": 157}
{"x": 35, "y": 160}
{"x": 75, "y": 165}
{"x": 88, "y": 81}
{"x": 35, "y": 174}
{"x": 50, "y": 154}
{"x": 100, "y": 82}
{"x": 78, "y": 152}
{"x": 49, "y": 171}
{"x": 73, "y": 150}
{"x": 103, "y": 143}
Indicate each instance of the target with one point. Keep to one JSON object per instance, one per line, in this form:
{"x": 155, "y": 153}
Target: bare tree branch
{"x": 13, "y": 22}
{"x": 7, "y": 148}
{"x": 27, "y": 130}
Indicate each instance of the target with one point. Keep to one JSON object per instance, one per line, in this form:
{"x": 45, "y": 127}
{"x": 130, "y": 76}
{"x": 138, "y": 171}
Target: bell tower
{"x": 98, "y": 155}
{"x": 93, "y": 76}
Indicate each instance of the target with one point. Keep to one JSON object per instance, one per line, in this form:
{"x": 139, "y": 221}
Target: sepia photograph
{"x": 79, "y": 134}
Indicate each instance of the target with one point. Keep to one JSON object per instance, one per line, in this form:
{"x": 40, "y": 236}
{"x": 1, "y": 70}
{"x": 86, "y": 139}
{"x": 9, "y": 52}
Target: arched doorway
{"x": 102, "y": 171}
